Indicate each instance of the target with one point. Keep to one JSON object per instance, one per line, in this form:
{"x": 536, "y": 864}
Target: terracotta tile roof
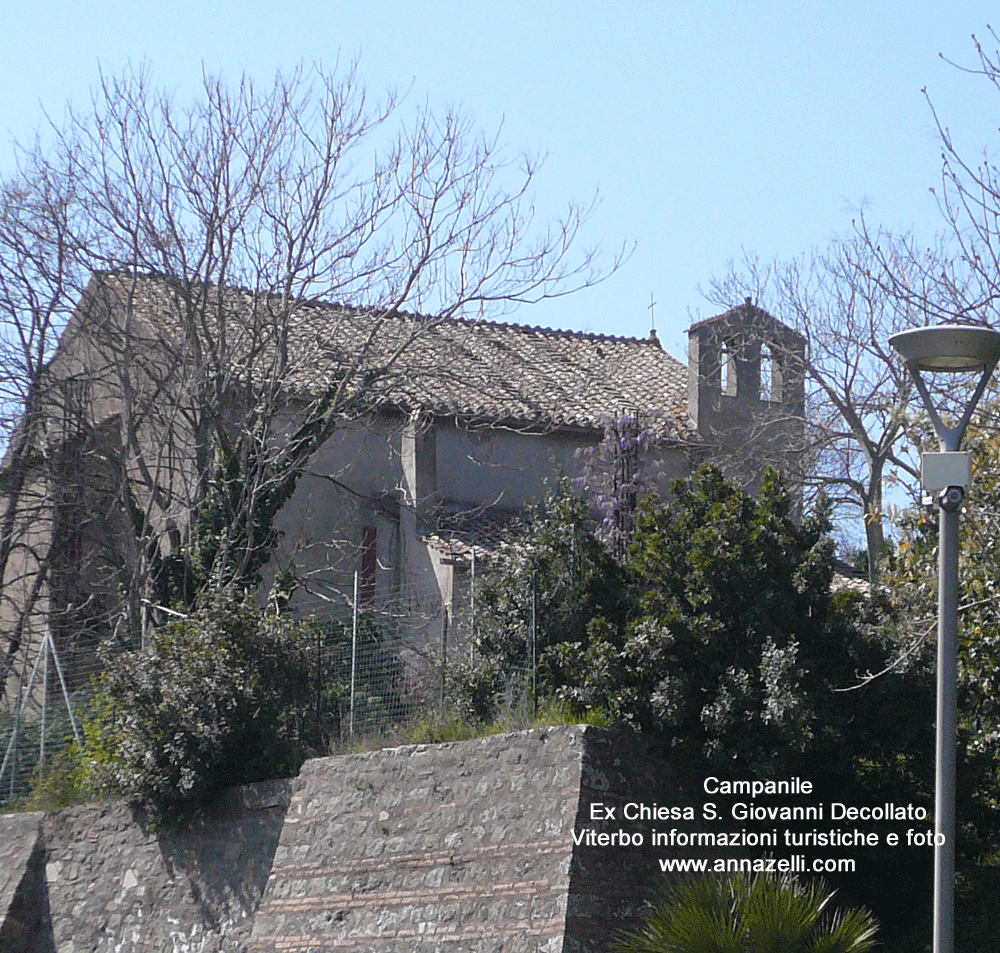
{"x": 481, "y": 531}
{"x": 845, "y": 576}
{"x": 508, "y": 371}
{"x": 477, "y": 370}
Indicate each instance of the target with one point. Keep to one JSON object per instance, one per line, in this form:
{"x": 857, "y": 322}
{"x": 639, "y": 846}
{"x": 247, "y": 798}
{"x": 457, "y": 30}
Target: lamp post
{"x": 948, "y": 349}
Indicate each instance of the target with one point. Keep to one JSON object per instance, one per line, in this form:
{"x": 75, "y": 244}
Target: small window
{"x": 770, "y": 375}
{"x": 76, "y": 407}
{"x": 727, "y": 370}
{"x": 766, "y": 374}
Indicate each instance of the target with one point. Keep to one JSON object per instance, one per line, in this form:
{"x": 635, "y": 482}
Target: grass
{"x": 453, "y": 726}
{"x": 62, "y": 783}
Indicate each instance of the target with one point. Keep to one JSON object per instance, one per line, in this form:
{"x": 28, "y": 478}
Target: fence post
{"x": 534, "y": 642}
{"x": 62, "y": 683}
{"x": 45, "y": 702}
{"x": 23, "y": 698}
{"x": 319, "y": 682}
{"x": 472, "y": 610}
{"x": 444, "y": 658}
{"x": 354, "y": 648}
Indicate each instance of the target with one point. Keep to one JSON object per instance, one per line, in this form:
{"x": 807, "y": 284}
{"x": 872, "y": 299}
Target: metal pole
{"x": 444, "y": 659}
{"x": 65, "y": 691}
{"x": 354, "y": 649}
{"x": 472, "y": 601}
{"x": 946, "y": 733}
{"x": 319, "y": 683}
{"x": 45, "y": 703}
{"x": 24, "y": 698}
{"x": 947, "y": 349}
{"x": 946, "y": 726}
{"x": 534, "y": 642}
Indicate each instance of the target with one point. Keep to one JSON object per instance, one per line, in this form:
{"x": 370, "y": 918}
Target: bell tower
{"x": 746, "y": 391}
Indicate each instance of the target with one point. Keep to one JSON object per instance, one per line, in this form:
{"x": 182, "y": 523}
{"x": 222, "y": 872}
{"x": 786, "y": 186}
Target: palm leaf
{"x": 759, "y": 914}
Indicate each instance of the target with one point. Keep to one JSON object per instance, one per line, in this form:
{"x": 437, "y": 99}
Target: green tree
{"x": 735, "y": 642}
{"x": 724, "y": 635}
{"x": 552, "y": 579}
{"x": 757, "y": 914}
{"x": 914, "y": 586}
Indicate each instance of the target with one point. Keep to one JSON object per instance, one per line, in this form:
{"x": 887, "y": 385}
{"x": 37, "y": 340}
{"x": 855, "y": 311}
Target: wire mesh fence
{"x": 42, "y": 721}
{"x": 376, "y": 666}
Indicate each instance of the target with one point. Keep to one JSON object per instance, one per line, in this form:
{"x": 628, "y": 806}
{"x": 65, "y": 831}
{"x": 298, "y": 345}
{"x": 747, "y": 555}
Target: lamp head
{"x": 953, "y": 348}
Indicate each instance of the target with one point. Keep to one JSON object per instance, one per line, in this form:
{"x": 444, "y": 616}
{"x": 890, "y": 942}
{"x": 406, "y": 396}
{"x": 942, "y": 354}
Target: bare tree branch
{"x": 189, "y": 261}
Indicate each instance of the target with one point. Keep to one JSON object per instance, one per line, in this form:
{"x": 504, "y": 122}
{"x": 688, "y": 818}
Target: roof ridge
{"x": 554, "y": 332}
{"x": 754, "y": 310}
{"x": 323, "y": 303}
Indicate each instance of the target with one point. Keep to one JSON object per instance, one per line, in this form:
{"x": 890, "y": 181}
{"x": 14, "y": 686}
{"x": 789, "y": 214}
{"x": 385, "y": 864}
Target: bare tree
{"x": 182, "y": 254}
{"x": 965, "y": 285}
{"x": 36, "y": 281}
{"x": 960, "y": 283}
{"x": 856, "y": 427}
{"x": 849, "y": 299}
{"x": 957, "y": 281}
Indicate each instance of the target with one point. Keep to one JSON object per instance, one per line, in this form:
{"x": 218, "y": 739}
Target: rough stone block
{"x": 21, "y": 862}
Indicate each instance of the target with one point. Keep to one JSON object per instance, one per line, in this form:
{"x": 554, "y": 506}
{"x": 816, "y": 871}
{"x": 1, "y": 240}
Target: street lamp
{"x": 948, "y": 349}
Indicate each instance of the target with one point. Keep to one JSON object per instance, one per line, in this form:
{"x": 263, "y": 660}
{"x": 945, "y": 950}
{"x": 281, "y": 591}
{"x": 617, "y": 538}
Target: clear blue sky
{"x": 708, "y": 127}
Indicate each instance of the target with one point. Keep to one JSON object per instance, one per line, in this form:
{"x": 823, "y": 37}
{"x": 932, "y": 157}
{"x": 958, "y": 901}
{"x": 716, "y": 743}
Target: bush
{"x": 721, "y": 631}
{"x": 227, "y": 696}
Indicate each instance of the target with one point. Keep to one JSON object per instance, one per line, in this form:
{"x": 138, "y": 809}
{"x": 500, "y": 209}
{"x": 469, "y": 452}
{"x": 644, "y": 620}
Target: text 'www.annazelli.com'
{"x": 797, "y": 863}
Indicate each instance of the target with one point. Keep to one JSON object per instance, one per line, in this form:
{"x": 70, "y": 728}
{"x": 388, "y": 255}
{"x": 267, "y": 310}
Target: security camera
{"x": 951, "y": 498}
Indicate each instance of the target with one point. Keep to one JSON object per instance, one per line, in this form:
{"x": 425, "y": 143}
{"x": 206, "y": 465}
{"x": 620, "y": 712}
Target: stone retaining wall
{"x": 466, "y": 847}
{"x": 21, "y": 859}
{"x": 463, "y": 846}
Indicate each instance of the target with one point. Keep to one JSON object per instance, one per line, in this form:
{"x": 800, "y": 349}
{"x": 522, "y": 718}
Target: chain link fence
{"x": 378, "y": 668}
{"x": 42, "y": 720}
